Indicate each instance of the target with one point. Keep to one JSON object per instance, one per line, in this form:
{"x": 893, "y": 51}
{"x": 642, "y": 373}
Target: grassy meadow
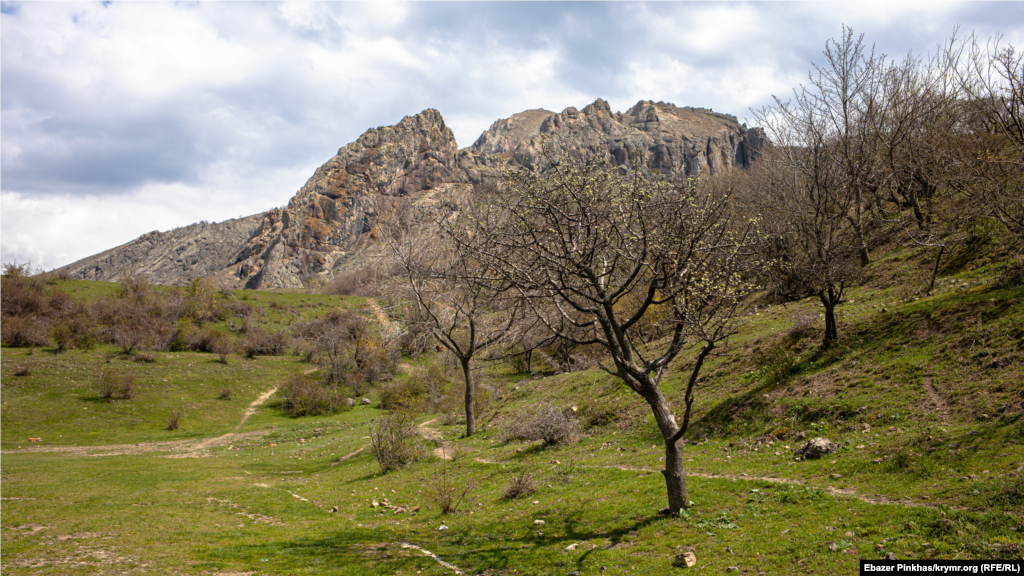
{"x": 922, "y": 396}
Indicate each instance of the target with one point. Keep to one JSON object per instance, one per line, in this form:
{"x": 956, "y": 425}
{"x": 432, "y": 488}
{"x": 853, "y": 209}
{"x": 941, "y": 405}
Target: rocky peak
{"x": 506, "y": 133}
{"x": 333, "y": 216}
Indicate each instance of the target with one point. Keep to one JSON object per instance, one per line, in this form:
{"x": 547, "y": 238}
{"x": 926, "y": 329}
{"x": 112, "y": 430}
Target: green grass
{"x": 924, "y": 480}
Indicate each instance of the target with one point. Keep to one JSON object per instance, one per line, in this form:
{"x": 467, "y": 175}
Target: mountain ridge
{"x": 332, "y": 216}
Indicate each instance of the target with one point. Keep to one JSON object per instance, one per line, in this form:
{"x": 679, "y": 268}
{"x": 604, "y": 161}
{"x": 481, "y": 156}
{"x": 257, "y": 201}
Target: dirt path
{"x": 178, "y": 448}
{"x": 387, "y": 327}
{"x": 443, "y": 451}
{"x": 938, "y": 403}
{"x": 256, "y": 404}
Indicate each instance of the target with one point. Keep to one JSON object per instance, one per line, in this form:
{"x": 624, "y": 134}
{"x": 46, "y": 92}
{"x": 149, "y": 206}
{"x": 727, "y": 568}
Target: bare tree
{"x": 580, "y": 244}
{"x": 450, "y": 294}
{"x": 809, "y": 245}
{"x": 989, "y": 168}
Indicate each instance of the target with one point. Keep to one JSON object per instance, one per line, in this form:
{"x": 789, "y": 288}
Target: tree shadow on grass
{"x": 368, "y": 551}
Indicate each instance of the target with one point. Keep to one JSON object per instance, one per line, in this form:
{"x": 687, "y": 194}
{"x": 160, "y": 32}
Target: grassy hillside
{"x": 923, "y": 396}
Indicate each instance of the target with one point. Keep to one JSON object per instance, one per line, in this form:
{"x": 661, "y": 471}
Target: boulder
{"x": 685, "y": 560}
{"x": 816, "y": 448}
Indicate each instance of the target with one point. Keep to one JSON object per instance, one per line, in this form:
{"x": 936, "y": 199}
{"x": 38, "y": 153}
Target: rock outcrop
{"x": 172, "y": 258}
{"x": 678, "y": 142}
{"x": 333, "y": 217}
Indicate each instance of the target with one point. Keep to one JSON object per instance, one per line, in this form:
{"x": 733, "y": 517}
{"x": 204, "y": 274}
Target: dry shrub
{"x": 409, "y": 394}
{"x": 443, "y": 491}
{"x": 304, "y": 396}
{"x": 359, "y": 282}
{"x": 225, "y": 394}
{"x": 111, "y": 385}
{"x": 243, "y": 309}
{"x": 259, "y": 342}
{"x": 21, "y": 332}
{"x": 23, "y": 371}
{"x": 549, "y": 424}
{"x": 189, "y": 337}
{"x": 22, "y": 296}
{"x": 147, "y": 357}
{"x": 75, "y": 332}
{"x": 804, "y": 325}
{"x": 519, "y": 486}
{"x": 394, "y": 440}
{"x": 175, "y": 420}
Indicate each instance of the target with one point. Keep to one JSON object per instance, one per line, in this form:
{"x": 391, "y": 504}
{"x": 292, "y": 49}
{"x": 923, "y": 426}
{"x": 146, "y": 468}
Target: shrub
{"x": 175, "y": 420}
{"x": 394, "y": 441}
{"x": 804, "y": 325}
{"x": 242, "y": 309}
{"x": 222, "y": 348}
{"x": 111, "y": 385}
{"x": 306, "y": 397}
{"x": 259, "y": 342}
{"x": 360, "y": 282}
{"x": 76, "y": 332}
{"x": 548, "y": 424}
{"x": 23, "y": 371}
{"x": 225, "y": 394}
{"x": 443, "y": 492}
{"x": 409, "y": 394}
{"x": 21, "y": 332}
{"x": 519, "y": 486}
{"x": 147, "y": 357}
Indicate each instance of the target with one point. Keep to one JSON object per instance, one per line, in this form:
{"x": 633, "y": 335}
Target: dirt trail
{"x": 387, "y": 327}
{"x": 444, "y": 451}
{"x": 938, "y": 403}
{"x": 178, "y": 448}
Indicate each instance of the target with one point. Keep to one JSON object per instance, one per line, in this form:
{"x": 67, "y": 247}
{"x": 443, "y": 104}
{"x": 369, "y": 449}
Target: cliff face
{"x": 675, "y": 141}
{"x": 172, "y": 258}
{"x": 333, "y": 216}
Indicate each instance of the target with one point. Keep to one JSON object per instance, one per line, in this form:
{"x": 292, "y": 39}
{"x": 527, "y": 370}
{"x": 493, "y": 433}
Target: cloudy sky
{"x": 118, "y": 118}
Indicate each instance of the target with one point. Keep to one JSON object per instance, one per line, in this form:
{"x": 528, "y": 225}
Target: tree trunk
{"x": 470, "y": 398}
{"x": 674, "y": 472}
{"x": 831, "y": 332}
{"x": 675, "y": 477}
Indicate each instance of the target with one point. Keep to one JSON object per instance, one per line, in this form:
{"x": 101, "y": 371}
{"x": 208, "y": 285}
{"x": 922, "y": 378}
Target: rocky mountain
{"x": 332, "y": 218}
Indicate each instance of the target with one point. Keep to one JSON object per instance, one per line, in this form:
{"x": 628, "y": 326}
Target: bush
{"x": 225, "y": 394}
{"x": 410, "y": 394}
{"x": 548, "y": 424}
{"x": 20, "y": 332}
{"x": 443, "y": 492}
{"x": 519, "y": 486}
{"x": 306, "y": 397}
{"x": 360, "y": 282}
{"x": 111, "y": 385}
{"x": 23, "y": 371}
{"x": 804, "y": 325}
{"x": 175, "y": 420}
{"x": 259, "y": 342}
{"x": 76, "y": 332}
{"x": 189, "y": 337}
{"x": 394, "y": 441}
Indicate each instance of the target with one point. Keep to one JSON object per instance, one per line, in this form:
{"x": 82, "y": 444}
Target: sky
{"x": 120, "y": 118}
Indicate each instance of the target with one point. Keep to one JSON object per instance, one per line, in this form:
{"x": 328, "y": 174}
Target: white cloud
{"x": 119, "y": 119}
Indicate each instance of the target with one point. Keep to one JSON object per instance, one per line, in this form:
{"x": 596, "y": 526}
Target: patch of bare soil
{"x": 387, "y": 327}
{"x": 938, "y": 403}
{"x": 433, "y": 434}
